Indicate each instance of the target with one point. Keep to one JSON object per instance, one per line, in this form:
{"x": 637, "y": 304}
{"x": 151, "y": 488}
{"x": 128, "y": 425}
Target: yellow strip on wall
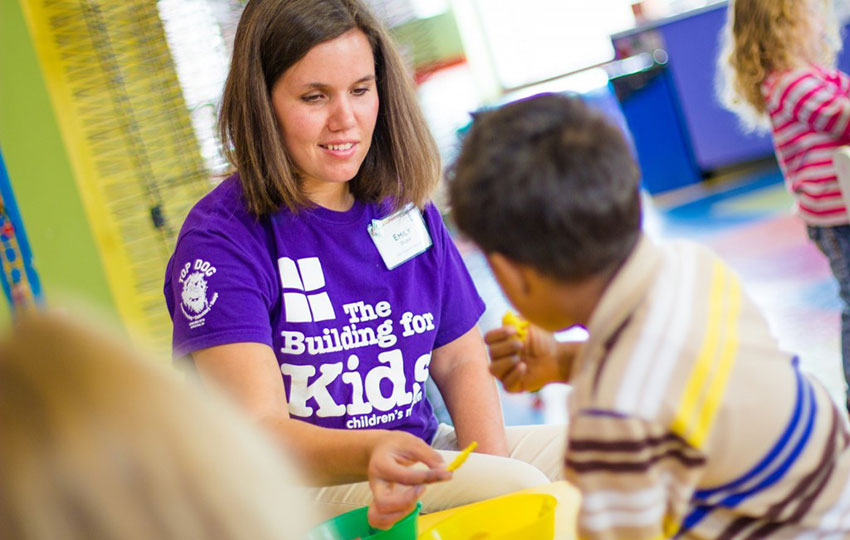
{"x": 129, "y": 136}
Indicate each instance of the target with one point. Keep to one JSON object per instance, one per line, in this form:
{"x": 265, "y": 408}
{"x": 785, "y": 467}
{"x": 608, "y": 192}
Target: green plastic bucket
{"x": 355, "y": 524}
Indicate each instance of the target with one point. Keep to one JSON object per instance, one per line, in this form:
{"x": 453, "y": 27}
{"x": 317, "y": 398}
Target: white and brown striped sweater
{"x": 687, "y": 421}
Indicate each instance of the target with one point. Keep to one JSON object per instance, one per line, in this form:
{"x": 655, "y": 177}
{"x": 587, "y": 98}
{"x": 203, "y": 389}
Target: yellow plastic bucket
{"x": 530, "y": 516}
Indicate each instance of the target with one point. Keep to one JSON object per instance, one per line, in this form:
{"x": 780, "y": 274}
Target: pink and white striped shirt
{"x": 809, "y": 112}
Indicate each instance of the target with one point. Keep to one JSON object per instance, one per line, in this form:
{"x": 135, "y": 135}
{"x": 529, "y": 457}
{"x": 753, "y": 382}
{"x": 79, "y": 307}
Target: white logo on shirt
{"x": 195, "y": 304}
{"x": 306, "y": 276}
{"x": 367, "y": 389}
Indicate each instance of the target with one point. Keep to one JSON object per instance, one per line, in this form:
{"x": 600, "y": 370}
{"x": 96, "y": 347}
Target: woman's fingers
{"x": 391, "y": 502}
{"x": 395, "y": 461}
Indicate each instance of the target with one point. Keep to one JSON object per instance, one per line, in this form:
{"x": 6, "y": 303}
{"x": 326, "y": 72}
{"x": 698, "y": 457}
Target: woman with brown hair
{"x": 319, "y": 286}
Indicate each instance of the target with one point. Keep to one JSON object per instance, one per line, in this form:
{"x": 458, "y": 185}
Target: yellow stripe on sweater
{"x": 707, "y": 352}
{"x": 717, "y": 386}
{"x": 707, "y": 381}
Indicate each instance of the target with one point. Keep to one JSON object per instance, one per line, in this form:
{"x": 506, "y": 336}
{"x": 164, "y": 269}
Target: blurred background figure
{"x": 99, "y": 443}
{"x": 778, "y": 64}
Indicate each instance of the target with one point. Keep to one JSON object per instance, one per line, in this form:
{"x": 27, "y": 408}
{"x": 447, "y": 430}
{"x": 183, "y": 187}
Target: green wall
{"x": 64, "y": 251}
{"x": 431, "y": 40}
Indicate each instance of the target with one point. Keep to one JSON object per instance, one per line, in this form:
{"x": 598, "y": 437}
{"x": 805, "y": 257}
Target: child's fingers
{"x": 513, "y": 379}
{"x": 501, "y": 367}
{"x": 510, "y": 347}
{"x": 499, "y": 334}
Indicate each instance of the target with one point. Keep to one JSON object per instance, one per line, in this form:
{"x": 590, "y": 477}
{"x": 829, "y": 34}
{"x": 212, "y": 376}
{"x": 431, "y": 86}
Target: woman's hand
{"x": 399, "y": 467}
{"x": 527, "y": 366}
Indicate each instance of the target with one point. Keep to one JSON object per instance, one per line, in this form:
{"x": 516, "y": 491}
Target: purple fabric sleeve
{"x": 238, "y": 294}
{"x": 462, "y": 307}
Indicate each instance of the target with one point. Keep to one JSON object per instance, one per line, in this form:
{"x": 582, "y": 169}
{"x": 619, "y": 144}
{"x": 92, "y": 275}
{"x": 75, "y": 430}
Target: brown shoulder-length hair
{"x": 403, "y": 163}
{"x": 766, "y": 36}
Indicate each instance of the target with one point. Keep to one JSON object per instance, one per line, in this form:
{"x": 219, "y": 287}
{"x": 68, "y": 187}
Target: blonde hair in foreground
{"x": 766, "y": 36}
{"x": 97, "y": 443}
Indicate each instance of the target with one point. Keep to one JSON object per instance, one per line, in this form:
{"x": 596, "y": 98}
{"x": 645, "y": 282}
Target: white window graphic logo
{"x": 306, "y": 276}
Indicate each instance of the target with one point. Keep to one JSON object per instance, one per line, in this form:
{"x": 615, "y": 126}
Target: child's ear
{"x": 511, "y": 275}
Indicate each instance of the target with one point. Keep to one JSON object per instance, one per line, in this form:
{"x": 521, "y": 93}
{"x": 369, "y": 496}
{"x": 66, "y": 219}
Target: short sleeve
{"x": 461, "y": 305}
{"x": 636, "y": 478}
{"x": 218, "y": 292}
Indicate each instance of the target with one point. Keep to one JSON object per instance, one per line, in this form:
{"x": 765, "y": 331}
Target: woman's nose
{"x": 342, "y": 116}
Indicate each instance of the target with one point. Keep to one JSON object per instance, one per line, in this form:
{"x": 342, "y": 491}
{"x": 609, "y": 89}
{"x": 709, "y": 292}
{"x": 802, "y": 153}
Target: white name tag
{"x": 400, "y": 236}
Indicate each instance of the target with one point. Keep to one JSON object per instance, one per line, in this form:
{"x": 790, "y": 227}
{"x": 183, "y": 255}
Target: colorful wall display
{"x": 133, "y": 154}
{"x": 18, "y": 277}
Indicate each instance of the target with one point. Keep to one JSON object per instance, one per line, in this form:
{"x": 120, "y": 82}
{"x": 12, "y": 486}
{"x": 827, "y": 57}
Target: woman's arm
{"x": 461, "y": 371}
{"x": 249, "y": 373}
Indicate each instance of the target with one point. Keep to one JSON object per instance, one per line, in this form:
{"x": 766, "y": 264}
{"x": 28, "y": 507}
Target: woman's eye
{"x": 311, "y": 98}
{"x": 360, "y": 91}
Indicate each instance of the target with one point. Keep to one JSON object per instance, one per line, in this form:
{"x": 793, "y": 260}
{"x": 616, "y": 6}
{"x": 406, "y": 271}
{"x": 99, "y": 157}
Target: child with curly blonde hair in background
{"x": 777, "y": 71}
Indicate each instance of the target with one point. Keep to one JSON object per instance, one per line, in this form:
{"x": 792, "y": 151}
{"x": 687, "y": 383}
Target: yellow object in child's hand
{"x": 458, "y": 461}
{"x": 521, "y": 325}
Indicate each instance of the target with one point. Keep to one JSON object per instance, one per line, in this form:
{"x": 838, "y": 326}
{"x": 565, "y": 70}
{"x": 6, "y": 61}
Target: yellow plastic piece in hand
{"x": 458, "y": 461}
{"x": 517, "y": 322}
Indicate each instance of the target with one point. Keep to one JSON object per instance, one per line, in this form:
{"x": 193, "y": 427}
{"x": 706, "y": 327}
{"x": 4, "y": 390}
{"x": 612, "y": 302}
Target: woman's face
{"x": 326, "y": 105}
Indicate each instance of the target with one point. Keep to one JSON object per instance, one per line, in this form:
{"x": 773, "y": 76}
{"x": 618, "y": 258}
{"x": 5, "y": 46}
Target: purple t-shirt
{"x": 352, "y": 338}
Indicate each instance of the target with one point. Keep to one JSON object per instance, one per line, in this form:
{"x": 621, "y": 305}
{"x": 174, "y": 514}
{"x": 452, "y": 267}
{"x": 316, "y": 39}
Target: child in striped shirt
{"x": 777, "y": 71}
{"x": 686, "y": 420}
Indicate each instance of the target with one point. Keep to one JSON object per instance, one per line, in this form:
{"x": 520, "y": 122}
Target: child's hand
{"x": 512, "y": 319}
{"x": 523, "y": 366}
